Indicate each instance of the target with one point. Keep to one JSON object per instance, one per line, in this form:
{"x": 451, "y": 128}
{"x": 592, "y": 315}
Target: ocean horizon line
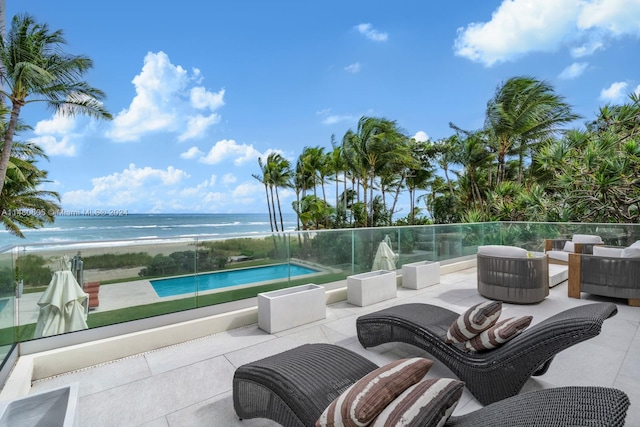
{"x": 90, "y": 228}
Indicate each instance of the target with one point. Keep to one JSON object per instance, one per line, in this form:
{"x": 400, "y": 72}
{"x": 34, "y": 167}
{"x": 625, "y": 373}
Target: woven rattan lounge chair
{"x": 491, "y": 375}
{"x": 294, "y": 387}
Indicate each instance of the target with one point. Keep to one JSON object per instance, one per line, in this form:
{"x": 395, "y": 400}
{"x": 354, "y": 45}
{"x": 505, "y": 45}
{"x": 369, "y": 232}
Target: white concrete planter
{"x": 369, "y": 288}
{"x": 57, "y": 407}
{"x": 418, "y": 275}
{"x": 291, "y": 307}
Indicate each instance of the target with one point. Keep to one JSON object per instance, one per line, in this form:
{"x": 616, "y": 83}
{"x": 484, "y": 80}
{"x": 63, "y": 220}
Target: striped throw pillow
{"x": 428, "y": 403}
{"x": 358, "y": 405}
{"x": 499, "y": 334}
{"x": 476, "y": 319}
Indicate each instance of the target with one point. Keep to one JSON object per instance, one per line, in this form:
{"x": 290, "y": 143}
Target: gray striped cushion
{"x": 499, "y": 334}
{"x": 473, "y": 321}
{"x": 358, "y": 405}
{"x": 425, "y": 404}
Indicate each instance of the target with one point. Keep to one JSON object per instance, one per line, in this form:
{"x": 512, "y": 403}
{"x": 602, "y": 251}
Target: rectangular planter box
{"x": 291, "y": 307}
{"x": 371, "y": 287}
{"x": 418, "y": 275}
{"x": 57, "y": 407}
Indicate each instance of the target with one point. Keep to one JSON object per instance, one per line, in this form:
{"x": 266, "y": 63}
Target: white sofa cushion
{"x": 636, "y": 244}
{"x": 630, "y": 252}
{"x": 569, "y": 246}
{"x": 559, "y": 255}
{"x": 586, "y": 238}
{"x": 608, "y": 252}
{"x": 503, "y": 251}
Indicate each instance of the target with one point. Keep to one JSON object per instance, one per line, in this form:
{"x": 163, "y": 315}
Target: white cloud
{"x": 203, "y": 99}
{"x": 331, "y": 119}
{"x": 197, "y": 126}
{"x": 421, "y": 136}
{"x": 248, "y": 189}
{"x": 167, "y": 101}
{"x": 353, "y": 68}
{"x": 615, "y": 92}
{"x": 619, "y": 17}
{"x": 369, "y": 32}
{"x": 55, "y": 147}
{"x": 56, "y": 136}
{"x": 519, "y": 27}
{"x": 58, "y": 124}
{"x": 230, "y": 149}
{"x": 586, "y": 49}
{"x": 229, "y": 178}
{"x": 574, "y": 70}
{"x": 122, "y": 189}
{"x": 191, "y": 153}
{"x": 637, "y": 90}
{"x": 199, "y": 189}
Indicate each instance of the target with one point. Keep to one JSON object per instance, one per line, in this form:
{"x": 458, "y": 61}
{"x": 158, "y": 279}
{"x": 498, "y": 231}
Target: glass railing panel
{"x": 454, "y": 240}
{"x": 123, "y": 280}
{"x": 415, "y": 243}
{"x": 330, "y": 252}
{"x": 366, "y": 243}
{"x": 240, "y": 267}
{"x": 531, "y": 235}
{"x": 8, "y": 289}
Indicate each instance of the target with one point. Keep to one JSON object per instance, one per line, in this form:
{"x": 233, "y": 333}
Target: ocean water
{"x": 90, "y": 228}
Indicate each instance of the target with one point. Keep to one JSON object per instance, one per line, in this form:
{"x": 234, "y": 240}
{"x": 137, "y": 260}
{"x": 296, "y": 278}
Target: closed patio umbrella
{"x": 385, "y": 258}
{"x": 62, "y": 306}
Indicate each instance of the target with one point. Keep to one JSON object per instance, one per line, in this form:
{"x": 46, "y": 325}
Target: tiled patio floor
{"x": 189, "y": 384}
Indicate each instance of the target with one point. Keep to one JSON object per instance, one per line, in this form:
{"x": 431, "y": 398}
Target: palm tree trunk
{"x": 279, "y": 210}
{"x": 266, "y": 190}
{"x": 273, "y": 208}
{"x": 5, "y": 157}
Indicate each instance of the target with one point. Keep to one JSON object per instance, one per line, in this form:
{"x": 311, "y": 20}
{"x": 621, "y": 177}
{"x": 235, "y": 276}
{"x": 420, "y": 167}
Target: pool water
{"x": 223, "y": 279}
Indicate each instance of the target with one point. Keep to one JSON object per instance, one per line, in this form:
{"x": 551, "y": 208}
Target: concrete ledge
{"x": 460, "y": 265}
{"x": 54, "y": 362}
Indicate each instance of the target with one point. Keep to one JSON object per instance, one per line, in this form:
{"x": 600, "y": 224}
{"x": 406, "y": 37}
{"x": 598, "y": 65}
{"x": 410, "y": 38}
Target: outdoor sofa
{"x": 610, "y": 272}
{"x": 558, "y": 250}
{"x": 294, "y": 387}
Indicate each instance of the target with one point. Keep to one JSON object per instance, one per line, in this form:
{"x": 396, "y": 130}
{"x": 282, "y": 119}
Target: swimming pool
{"x": 223, "y": 279}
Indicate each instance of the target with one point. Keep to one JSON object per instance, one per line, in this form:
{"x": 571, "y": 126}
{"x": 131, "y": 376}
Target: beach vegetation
{"x": 116, "y": 260}
{"x": 23, "y": 202}
{"x": 34, "y": 270}
{"x": 529, "y": 161}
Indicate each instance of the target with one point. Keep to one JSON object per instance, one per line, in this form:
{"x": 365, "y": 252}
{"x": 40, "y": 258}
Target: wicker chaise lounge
{"x": 294, "y": 387}
{"x": 491, "y": 375}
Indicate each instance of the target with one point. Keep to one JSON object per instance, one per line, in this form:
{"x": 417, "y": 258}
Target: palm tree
{"x": 21, "y": 202}
{"x": 313, "y": 160}
{"x": 471, "y": 151}
{"x": 376, "y": 142}
{"x": 264, "y": 179}
{"x": 445, "y": 157}
{"x": 279, "y": 176}
{"x": 522, "y": 111}
{"x": 336, "y": 165}
{"x": 34, "y": 64}
{"x": 419, "y": 180}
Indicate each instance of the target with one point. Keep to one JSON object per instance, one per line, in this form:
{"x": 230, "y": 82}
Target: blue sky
{"x": 200, "y": 90}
